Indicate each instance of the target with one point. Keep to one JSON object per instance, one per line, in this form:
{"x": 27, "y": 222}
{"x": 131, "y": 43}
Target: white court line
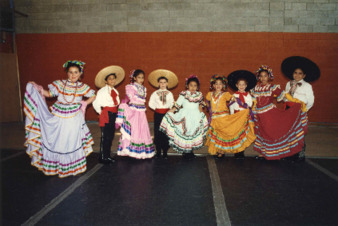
{"x": 12, "y": 156}
{"x": 322, "y": 169}
{"x": 222, "y": 216}
{"x": 58, "y": 199}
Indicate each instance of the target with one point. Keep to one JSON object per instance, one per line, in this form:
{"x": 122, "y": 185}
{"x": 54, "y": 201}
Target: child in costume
{"x": 59, "y": 141}
{"x": 302, "y": 71}
{"x": 187, "y": 127}
{"x": 227, "y": 133}
{"x": 242, "y": 81}
{"x": 135, "y": 140}
{"x": 106, "y": 105}
{"x": 161, "y": 101}
{"x": 279, "y": 133}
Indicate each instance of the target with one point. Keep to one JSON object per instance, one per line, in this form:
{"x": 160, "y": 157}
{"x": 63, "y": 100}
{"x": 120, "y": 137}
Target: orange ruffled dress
{"x": 228, "y": 133}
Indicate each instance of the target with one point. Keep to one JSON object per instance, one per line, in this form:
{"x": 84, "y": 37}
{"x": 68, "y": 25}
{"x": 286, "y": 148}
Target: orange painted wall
{"x": 203, "y": 53}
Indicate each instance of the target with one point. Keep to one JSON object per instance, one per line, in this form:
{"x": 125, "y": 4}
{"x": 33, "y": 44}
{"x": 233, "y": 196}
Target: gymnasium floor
{"x": 201, "y": 191}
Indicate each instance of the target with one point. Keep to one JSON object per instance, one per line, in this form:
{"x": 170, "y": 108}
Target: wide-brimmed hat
{"x": 234, "y": 76}
{"x": 100, "y": 77}
{"x": 290, "y": 64}
{"x": 154, "y": 75}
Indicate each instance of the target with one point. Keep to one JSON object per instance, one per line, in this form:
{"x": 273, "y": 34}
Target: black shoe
{"x": 165, "y": 156}
{"x": 239, "y": 155}
{"x": 299, "y": 159}
{"x": 259, "y": 158}
{"x": 158, "y": 155}
{"x": 188, "y": 155}
{"x": 106, "y": 160}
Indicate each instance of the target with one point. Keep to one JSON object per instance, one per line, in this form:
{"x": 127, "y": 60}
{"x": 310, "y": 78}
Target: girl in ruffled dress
{"x": 227, "y": 133}
{"x": 187, "y": 127}
{"x": 59, "y": 141}
{"x": 135, "y": 140}
{"x": 279, "y": 133}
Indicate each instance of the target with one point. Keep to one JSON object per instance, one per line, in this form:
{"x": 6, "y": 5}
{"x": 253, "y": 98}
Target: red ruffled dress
{"x": 279, "y": 133}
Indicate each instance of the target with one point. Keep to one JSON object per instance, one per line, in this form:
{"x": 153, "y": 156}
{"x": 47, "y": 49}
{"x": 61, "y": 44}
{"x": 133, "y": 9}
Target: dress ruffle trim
{"x": 127, "y": 146}
{"x": 68, "y": 163}
{"x": 231, "y": 140}
{"x": 196, "y": 97}
{"x": 288, "y": 145}
{"x": 183, "y": 143}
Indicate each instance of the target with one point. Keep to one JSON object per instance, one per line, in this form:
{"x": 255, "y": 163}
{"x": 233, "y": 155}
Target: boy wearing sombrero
{"x": 161, "y": 101}
{"x": 301, "y": 71}
{"x": 106, "y": 105}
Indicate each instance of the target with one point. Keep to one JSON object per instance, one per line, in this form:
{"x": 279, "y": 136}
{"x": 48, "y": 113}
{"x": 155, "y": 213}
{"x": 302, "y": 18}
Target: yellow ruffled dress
{"x": 228, "y": 133}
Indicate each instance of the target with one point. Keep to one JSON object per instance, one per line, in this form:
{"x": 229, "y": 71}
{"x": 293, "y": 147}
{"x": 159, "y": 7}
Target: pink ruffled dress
{"x": 135, "y": 140}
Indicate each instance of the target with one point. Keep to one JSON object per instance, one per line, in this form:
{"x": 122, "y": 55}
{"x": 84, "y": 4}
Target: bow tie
{"x": 299, "y": 84}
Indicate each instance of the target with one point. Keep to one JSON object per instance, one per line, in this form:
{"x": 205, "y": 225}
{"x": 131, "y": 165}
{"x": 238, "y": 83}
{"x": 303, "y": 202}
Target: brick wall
{"x": 69, "y": 16}
{"x": 203, "y": 53}
{"x": 186, "y": 36}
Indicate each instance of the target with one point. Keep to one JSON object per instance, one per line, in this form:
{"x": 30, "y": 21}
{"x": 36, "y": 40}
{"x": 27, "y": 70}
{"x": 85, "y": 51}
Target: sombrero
{"x": 290, "y": 64}
{"x": 154, "y": 75}
{"x": 99, "y": 80}
{"x": 234, "y": 76}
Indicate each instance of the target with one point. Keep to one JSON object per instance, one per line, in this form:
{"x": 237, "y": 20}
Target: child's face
{"x": 241, "y": 85}
{"x": 73, "y": 74}
{"x": 192, "y": 86}
{"x": 139, "y": 79}
{"x": 264, "y": 77}
{"x": 218, "y": 86}
{"x": 111, "y": 80}
{"x": 163, "y": 84}
{"x": 298, "y": 75}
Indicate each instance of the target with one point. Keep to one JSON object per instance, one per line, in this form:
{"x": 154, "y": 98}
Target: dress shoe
{"x": 259, "y": 158}
{"x": 239, "y": 155}
{"x": 158, "y": 155}
{"x": 106, "y": 160}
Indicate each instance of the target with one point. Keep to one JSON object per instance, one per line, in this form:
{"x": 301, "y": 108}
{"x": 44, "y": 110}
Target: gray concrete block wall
{"x": 68, "y": 16}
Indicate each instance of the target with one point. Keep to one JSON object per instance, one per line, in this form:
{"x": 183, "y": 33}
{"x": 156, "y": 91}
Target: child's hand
{"x": 36, "y": 86}
{"x": 172, "y": 110}
{"x": 201, "y": 108}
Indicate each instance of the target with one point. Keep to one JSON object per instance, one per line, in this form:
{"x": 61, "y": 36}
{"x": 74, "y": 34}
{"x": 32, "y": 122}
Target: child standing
{"x": 227, "y": 133}
{"x": 301, "y": 71}
{"x": 242, "y": 81}
{"x": 59, "y": 141}
{"x": 279, "y": 133}
{"x": 105, "y": 104}
{"x": 187, "y": 127}
{"x": 135, "y": 140}
{"x": 161, "y": 101}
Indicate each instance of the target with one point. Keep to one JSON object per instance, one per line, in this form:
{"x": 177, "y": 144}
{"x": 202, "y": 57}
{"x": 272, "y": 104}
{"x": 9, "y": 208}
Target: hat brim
{"x": 234, "y": 76}
{"x": 100, "y": 77}
{"x": 154, "y": 75}
{"x": 290, "y": 64}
